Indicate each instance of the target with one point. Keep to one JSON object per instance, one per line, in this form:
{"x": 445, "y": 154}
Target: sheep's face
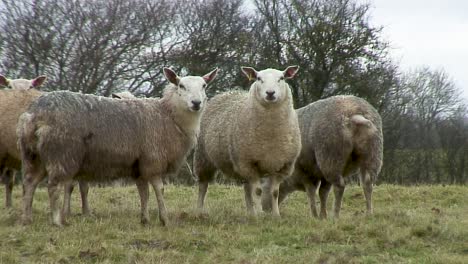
{"x": 191, "y": 89}
{"x": 22, "y": 84}
{"x": 270, "y": 84}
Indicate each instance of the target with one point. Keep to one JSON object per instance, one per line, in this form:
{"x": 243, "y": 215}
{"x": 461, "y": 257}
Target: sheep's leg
{"x": 202, "y": 189}
{"x": 324, "y": 190}
{"x": 53, "y": 188}
{"x": 253, "y": 193}
{"x": 31, "y": 178}
{"x": 84, "y": 189}
{"x": 338, "y": 189}
{"x": 143, "y": 190}
{"x": 68, "y": 189}
{"x": 311, "y": 190}
{"x": 272, "y": 193}
{"x": 366, "y": 183}
{"x": 158, "y": 187}
{"x": 9, "y": 176}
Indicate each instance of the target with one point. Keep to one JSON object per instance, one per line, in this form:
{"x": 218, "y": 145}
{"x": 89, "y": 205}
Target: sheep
{"x": 341, "y": 135}
{"x": 22, "y": 84}
{"x": 63, "y": 135}
{"x": 123, "y": 95}
{"x": 13, "y": 102}
{"x": 249, "y": 136}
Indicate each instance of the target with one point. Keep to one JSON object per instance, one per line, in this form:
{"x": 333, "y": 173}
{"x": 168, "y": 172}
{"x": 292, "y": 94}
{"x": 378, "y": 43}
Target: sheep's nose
{"x": 196, "y": 104}
{"x": 270, "y": 95}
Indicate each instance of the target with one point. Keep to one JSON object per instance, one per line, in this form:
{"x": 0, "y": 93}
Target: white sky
{"x": 427, "y": 32}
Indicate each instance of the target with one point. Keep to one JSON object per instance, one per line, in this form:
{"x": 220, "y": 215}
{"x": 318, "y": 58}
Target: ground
{"x": 424, "y": 224}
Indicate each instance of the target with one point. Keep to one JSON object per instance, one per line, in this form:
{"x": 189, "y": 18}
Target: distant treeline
{"x": 100, "y": 47}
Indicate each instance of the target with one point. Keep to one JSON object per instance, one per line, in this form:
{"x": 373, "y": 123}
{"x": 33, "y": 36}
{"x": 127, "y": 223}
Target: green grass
{"x": 426, "y": 224}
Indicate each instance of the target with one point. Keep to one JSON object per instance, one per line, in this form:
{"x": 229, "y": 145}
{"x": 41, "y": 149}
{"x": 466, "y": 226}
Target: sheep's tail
{"x": 361, "y": 121}
{"x": 364, "y": 129}
{"x": 26, "y": 136}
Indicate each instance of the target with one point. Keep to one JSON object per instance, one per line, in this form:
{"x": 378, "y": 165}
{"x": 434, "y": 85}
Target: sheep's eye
{"x": 259, "y": 79}
{"x": 281, "y": 78}
{"x": 182, "y": 86}
{"x": 204, "y": 85}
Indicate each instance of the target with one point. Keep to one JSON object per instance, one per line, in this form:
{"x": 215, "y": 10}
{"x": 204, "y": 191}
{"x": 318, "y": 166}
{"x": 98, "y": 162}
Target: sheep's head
{"x": 22, "y": 84}
{"x": 191, "y": 89}
{"x": 270, "y": 85}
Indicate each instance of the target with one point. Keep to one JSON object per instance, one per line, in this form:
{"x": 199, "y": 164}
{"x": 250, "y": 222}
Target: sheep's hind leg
{"x": 311, "y": 190}
{"x": 324, "y": 190}
{"x": 84, "y": 189}
{"x": 143, "y": 190}
{"x": 9, "y": 177}
{"x": 366, "y": 183}
{"x": 31, "y": 178}
{"x": 158, "y": 187}
{"x": 53, "y": 188}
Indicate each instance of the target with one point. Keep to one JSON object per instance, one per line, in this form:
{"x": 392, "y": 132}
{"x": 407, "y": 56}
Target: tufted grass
{"x": 424, "y": 224}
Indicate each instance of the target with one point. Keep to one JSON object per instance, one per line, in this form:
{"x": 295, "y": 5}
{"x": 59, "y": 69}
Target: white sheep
{"x": 13, "y": 102}
{"x": 341, "y": 135}
{"x": 250, "y": 135}
{"x": 65, "y": 136}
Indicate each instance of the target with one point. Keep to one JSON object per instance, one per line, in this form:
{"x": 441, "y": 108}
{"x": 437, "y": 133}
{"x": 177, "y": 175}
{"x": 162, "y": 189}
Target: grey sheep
{"x": 249, "y": 136}
{"x": 69, "y": 136}
{"x": 13, "y": 102}
{"x": 341, "y": 135}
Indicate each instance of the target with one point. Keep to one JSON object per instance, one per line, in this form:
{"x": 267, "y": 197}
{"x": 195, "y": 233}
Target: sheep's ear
{"x": 250, "y": 72}
{"x": 171, "y": 76}
{"x": 114, "y": 95}
{"x": 210, "y": 76}
{"x": 290, "y": 72}
{"x": 3, "y": 81}
{"x": 38, "y": 81}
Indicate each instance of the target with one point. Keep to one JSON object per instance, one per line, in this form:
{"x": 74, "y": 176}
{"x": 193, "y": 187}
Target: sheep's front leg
{"x": 68, "y": 190}
{"x": 253, "y": 194}
{"x": 143, "y": 191}
{"x": 158, "y": 187}
{"x": 272, "y": 193}
{"x": 202, "y": 189}
{"x": 338, "y": 189}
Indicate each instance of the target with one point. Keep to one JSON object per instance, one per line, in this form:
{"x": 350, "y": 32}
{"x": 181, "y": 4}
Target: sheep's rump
{"x": 333, "y": 131}
{"x": 97, "y": 138}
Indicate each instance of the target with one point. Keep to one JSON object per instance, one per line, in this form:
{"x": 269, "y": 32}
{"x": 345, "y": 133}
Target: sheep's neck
{"x": 186, "y": 121}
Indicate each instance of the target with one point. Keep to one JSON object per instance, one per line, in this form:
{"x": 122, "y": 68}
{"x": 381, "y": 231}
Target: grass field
{"x": 426, "y": 224}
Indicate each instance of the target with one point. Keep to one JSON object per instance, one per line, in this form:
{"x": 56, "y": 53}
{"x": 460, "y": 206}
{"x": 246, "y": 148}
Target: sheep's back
{"x": 326, "y": 130}
{"x": 105, "y": 136}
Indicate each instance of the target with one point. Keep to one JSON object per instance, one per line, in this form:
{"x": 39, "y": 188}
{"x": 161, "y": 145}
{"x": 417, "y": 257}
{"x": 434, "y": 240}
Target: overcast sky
{"x": 427, "y": 32}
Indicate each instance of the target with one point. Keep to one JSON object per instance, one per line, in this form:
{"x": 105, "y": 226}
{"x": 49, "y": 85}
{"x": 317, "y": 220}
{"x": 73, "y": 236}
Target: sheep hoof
{"x": 144, "y": 221}
{"x": 26, "y": 221}
{"x": 164, "y": 222}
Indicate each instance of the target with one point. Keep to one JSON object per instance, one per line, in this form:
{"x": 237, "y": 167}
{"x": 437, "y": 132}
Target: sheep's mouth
{"x": 195, "y": 108}
{"x": 271, "y": 99}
